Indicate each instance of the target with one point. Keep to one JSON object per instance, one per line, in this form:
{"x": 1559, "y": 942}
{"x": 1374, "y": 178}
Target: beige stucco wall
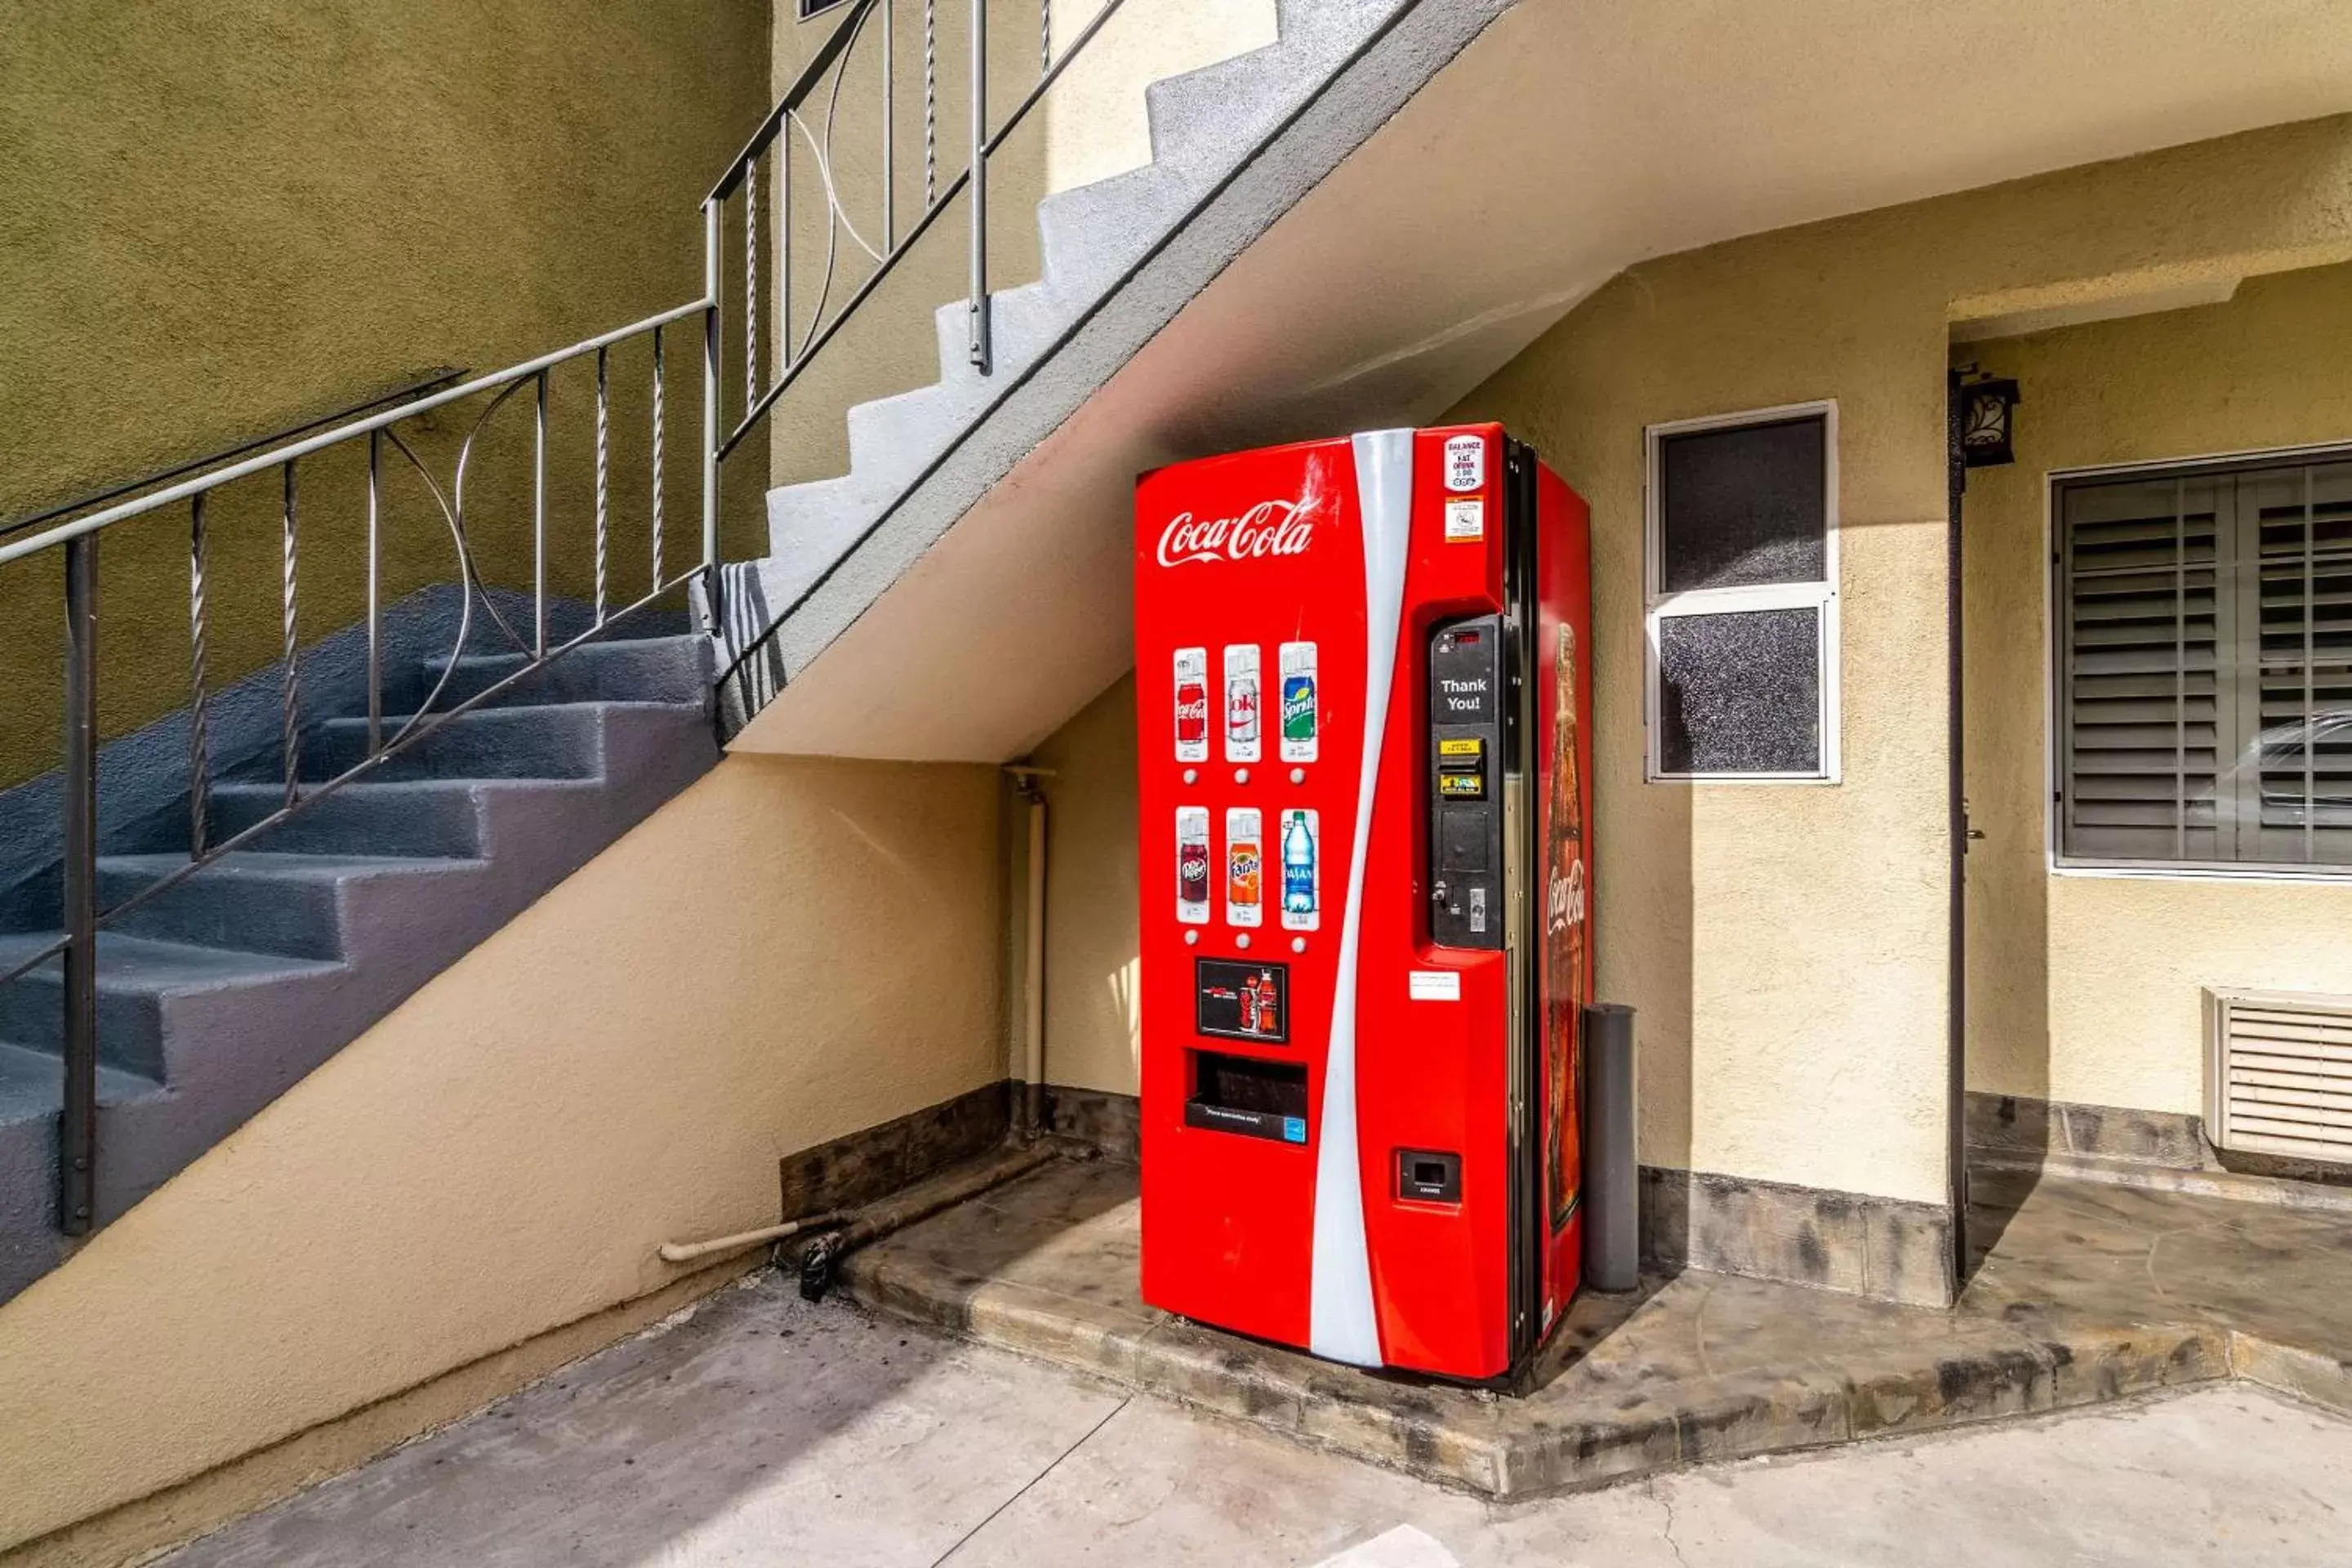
{"x": 788, "y": 951}
{"x": 219, "y": 219}
{"x": 1091, "y": 1023}
{"x": 1786, "y": 944}
{"x": 2088, "y": 988}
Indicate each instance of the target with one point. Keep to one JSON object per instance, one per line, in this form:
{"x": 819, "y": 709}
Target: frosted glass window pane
{"x": 1739, "y": 693}
{"x": 1743, "y": 506}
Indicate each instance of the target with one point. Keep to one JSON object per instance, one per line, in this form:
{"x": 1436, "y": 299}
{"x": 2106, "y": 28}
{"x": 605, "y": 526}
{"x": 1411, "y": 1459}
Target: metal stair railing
{"x": 78, "y": 539}
{"x": 794, "y": 347}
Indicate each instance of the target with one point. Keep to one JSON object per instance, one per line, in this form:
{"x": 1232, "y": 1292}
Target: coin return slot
{"x": 1424, "y": 1176}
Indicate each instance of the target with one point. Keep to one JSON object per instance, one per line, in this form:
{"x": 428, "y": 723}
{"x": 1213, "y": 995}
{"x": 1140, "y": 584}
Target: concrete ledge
{"x": 2161, "y": 1150}
{"x": 1853, "y": 1242}
{"x": 2072, "y": 1306}
{"x": 865, "y": 1166}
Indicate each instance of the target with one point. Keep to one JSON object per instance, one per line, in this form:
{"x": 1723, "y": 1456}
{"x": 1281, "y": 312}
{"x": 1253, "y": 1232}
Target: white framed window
{"x": 2201, "y": 666}
{"x": 1739, "y": 592}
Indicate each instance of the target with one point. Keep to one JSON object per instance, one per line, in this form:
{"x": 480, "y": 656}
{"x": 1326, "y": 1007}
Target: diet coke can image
{"x": 1241, "y": 703}
{"x": 1244, "y": 865}
{"x": 1191, "y": 705}
{"x": 1193, "y": 865}
{"x": 1298, "y": 699}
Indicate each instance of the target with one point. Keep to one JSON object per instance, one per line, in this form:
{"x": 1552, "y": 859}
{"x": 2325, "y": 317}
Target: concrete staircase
{"x": 219, "y": 994}
{"x": 1234, "y": 144}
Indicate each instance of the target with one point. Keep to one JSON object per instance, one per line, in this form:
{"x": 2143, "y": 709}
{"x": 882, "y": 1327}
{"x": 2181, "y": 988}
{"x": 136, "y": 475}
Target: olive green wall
{"x": 222, "y": 218}
{"x": 2089, "y": 987}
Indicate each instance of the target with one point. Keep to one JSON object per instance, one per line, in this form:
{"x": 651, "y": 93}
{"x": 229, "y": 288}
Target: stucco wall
{"x": 1091, "y": 1022}
{"x": 223, "y": 218}
{"x": 2088, "y": 988}
{"x": 1786, "y": 944}
{"x": 788, "y": 951}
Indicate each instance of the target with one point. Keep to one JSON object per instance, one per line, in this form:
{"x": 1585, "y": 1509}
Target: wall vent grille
{"x": 2278, "y": 1077}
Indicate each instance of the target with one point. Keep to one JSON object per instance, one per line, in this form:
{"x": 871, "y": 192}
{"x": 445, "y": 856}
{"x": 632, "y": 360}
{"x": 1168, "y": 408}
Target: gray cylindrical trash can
{"x": 1612, "y": 1243}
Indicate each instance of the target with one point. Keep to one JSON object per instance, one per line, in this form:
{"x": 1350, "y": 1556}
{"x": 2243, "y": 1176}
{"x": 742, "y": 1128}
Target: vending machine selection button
{"x": 1241, "y": 776}
{"x": 1192, "y": 775}
{"x": 1299, "y": 775}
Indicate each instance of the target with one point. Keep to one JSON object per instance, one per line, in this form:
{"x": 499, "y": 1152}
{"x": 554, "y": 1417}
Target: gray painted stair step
{"x": 32, "y": 1086}
{"x": 141, "y": 983}
{"x": 549, "y": 740}
{"x": 634, "y": 669}
{"x": 303, "y": 906}
{"x": 435, "y": 817}
{"x": 221, "y": 992}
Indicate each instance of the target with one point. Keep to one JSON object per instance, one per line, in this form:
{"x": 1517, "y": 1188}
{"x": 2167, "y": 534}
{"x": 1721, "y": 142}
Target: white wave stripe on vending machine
{"x": 1241, "y": 703}
{"x": 1191, "y": 705}
{"x": 1302, "y": 890}
{"x": 1193, "y": 865}
{"x": 1244, "y": 865}
{"x": 1301, "y": 716}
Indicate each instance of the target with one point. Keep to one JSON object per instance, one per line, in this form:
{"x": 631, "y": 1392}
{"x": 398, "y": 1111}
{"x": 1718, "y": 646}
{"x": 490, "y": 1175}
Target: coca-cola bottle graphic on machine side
{"x": 1191, "y": 705}
{"x": 1241, "y": 703}
{"x": 1563, "y": 940}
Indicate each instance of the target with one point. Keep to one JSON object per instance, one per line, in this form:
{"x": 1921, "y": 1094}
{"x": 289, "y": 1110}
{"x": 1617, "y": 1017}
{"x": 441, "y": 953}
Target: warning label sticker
{"x": 1465, "y": 519}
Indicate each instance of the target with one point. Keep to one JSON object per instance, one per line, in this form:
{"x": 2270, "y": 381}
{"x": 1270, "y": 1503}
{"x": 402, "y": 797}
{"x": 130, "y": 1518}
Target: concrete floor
{"x": 761, "y": 1430}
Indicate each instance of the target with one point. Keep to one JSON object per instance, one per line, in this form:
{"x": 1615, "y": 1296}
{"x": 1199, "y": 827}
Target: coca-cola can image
{"x": 1244, "y": 865}
{"x": 1191, "y": 705}
{"x": 1299, "y": 713}
{"x": 1193, "y": 865}
{"x": 1241, "y": 703}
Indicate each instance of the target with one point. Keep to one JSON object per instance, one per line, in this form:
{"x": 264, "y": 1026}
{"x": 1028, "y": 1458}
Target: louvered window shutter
{"x": 2204, "y": 687}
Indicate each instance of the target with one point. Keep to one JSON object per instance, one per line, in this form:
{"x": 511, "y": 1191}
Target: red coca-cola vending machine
{"x": 1363, "y": 671}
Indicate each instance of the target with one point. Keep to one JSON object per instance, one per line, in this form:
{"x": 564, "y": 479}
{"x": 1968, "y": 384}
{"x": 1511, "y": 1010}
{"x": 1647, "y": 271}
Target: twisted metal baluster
{"x": 604, "y": 473}
{"x": 1045, "y": 35}
{"x": 751, "y": 279}
{"x": 199, "y": 761}
{"x": 292, "y": 715}
{"x": 658, "y": 458}
{"x": 889, "y": 172}
{"x": 931, "y": 101}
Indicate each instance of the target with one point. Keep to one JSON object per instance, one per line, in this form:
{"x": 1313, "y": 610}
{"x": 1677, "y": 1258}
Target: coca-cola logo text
{"x": 1269, "y": 528}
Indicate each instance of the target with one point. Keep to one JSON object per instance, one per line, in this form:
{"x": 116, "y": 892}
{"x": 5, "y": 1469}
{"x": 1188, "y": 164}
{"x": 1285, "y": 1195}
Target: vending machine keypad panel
{"x": 1465, "y": 759}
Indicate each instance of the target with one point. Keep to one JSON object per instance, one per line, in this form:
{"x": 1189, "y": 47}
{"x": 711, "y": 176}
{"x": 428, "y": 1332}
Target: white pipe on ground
{"x": 688, "y": 1251}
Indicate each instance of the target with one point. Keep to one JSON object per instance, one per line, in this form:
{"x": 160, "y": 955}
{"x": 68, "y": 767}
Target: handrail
{"x": 280, "y": 456}
{"x": 401, "y": 394}
{"x": 79, "y": 539}
{"x": 795, "y": 96}
{"x": 741, "y": 658}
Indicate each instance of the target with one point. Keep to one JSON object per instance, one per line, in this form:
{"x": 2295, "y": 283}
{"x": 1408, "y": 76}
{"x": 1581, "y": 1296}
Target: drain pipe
{"x": 688, "y": 1251}
{"x": 895, "y": 1212}
{"x": 1030, "y": 1114}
